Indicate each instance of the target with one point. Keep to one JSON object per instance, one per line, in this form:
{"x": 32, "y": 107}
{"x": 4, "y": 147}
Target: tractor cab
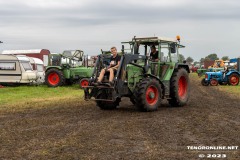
{"x": 144, "y": 80}
{"x": 166, "y": 48}
{"x": 71, "y": 58}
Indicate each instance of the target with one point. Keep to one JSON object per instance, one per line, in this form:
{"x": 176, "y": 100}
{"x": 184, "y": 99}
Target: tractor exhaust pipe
{"x": 238, "y": 64}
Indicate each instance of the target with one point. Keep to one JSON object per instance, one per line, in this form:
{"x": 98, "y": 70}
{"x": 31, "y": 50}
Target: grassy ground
{"x": 23, "y": 97}
{"x": 234, "y": 90}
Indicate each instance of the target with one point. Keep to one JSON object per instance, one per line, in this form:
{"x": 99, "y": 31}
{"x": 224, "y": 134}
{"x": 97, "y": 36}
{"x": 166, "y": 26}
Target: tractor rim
{"x": 84, "y": 83}
{"x": 152, "y": 95}
{"x": 182, "y": 87}
{"x": 53, "y": 78}
{"x": 234, "y": 80}
{"x": 214, "y": 82}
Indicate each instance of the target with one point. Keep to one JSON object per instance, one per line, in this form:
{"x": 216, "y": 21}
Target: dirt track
{"x": 74, "y": 131}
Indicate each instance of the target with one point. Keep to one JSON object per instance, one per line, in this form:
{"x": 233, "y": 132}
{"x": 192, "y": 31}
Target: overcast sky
{"x": 205, "y": 27}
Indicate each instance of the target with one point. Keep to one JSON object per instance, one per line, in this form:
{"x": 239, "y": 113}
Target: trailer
{"x": 38, "y": 67}
{"x": 37, "y": 53}
{"x": 16, "y": 70}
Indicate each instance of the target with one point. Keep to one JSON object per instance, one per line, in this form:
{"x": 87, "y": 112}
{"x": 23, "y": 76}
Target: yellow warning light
{"x": 178, "y": 37}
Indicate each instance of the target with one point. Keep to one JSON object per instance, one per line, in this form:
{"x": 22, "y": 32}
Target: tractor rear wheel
{"x": 54, "y": 78}
{"x": 213, "y": 82}
{"x": 84, "y": 83}
{"x": 204, "y": 82}
{"x": 148, "y": 94}
{"x": 233, "y": 79}
{"x": 106, "y": 105}
{"x": 179, "y": 88}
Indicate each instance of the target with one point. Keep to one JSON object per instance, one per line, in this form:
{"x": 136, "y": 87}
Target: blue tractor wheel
{"x": 204, "y": 82}
{"x": 213, "y": 82}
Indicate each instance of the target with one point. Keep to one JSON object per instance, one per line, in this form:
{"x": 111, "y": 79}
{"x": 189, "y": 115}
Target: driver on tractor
{"x": 114, "y": 64}
{"x": 154, "y": 54}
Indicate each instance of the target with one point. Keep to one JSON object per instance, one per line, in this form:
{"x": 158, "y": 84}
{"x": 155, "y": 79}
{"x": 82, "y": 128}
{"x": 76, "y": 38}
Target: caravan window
{"x": 7, "y": 66}
{"x": 39, "y": 67}
{"x": 27, "y": 66}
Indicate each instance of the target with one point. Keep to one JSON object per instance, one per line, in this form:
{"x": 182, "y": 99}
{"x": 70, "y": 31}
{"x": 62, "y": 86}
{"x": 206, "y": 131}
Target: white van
{"x": 37, "y": 65}
{"x": 15, "y": 69}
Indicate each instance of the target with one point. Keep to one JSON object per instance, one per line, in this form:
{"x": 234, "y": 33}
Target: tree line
{"x": 212, "y": 57}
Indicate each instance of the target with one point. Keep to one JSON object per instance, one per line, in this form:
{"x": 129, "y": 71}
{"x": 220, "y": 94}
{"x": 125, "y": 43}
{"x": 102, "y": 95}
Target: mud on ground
{"x": 80, "y": 130}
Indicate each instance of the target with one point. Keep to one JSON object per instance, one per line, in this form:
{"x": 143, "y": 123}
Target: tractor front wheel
{"x": 148, "y": 94}
{"x": 84, "y": 83}
{"x": 54, "y": 77}
{"x": 233, "y": 79}
{"x": 179, "y": 88}
{"x": 213, "y": 82}
{"x": 204, "y": 82}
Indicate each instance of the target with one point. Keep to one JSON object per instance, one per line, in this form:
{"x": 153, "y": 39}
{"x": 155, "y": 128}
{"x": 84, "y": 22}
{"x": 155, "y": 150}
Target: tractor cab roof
{"x": 73, "y": 54}
{"x": 154, "y": 41}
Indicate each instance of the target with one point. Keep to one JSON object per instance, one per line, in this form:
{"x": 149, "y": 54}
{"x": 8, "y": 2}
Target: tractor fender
{"x": 231, "y": 72}
{"x": 153, "y": 76}
{"x": 49, "y": 67}
{"x": 181, "y": 65}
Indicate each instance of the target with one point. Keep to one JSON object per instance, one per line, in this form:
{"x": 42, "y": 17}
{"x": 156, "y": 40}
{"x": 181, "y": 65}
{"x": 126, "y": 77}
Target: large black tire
{"x": 204, "y": 82}
{"x": 148, "y": 94}
{"x": 233, "y": 79}
{"x": 179, "y": 88}
{"x": 54, "y": 77}
{"x": 106, "y": 105}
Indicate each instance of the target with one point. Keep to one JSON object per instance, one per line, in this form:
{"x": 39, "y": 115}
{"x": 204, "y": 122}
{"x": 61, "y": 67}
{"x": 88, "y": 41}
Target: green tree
{"x": 212, "y": 57}
{"x": 189, "y": 59}
{"x": 225, "y": 58}
{"x": 181, "y": 58}
{"x": 202, "y": 60}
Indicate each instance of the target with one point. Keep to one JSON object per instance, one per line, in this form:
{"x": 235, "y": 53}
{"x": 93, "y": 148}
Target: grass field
{"x": 37, "y": 96}
{"x": 235, "y": 90}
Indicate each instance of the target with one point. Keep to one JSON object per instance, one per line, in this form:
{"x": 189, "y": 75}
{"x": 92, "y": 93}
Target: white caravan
{"x": 15, "y": 69}
{"x": 37, "y": 65}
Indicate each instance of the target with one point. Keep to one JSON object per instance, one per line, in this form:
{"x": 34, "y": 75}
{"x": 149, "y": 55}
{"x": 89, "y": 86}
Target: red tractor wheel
{"x": 152, "y": 95}
{"x": 148, "y": 94}
{"x": 182, "y": 87}
{"x": 213, "y": 82}
{"x": 179, "y": 91}
{"x": 84, "y": 82}
{"x": 54, "y": 77}
{"x": 233, "y": 79}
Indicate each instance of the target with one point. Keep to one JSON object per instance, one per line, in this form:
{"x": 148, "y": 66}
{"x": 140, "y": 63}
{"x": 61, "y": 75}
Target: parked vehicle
{"x": 227, "y": 76}
{"x": 218, "y": 65}
{"x": 37, "y": 65}
{"x": 37, "y": 53}
{"x": 67, "y": 68}
{"x": 15, "y": 70}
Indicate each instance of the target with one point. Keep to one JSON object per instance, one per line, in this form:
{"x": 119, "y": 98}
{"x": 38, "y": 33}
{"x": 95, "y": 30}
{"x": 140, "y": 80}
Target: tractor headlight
{"x": 206, "y": 76}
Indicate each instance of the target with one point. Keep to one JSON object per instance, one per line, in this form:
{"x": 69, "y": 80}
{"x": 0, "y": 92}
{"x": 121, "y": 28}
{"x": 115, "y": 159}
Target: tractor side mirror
{"x": 173, "y": 47}
{"x": 122, "y": 49}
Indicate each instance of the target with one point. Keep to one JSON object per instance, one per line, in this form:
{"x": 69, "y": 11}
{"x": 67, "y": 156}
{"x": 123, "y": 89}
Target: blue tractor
{"x": 224, "y": 77}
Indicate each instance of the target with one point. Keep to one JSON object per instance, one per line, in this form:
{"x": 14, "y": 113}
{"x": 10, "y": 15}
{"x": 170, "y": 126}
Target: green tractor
{"x": 144, "y": 81}
{"x": 68, "y": 68}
